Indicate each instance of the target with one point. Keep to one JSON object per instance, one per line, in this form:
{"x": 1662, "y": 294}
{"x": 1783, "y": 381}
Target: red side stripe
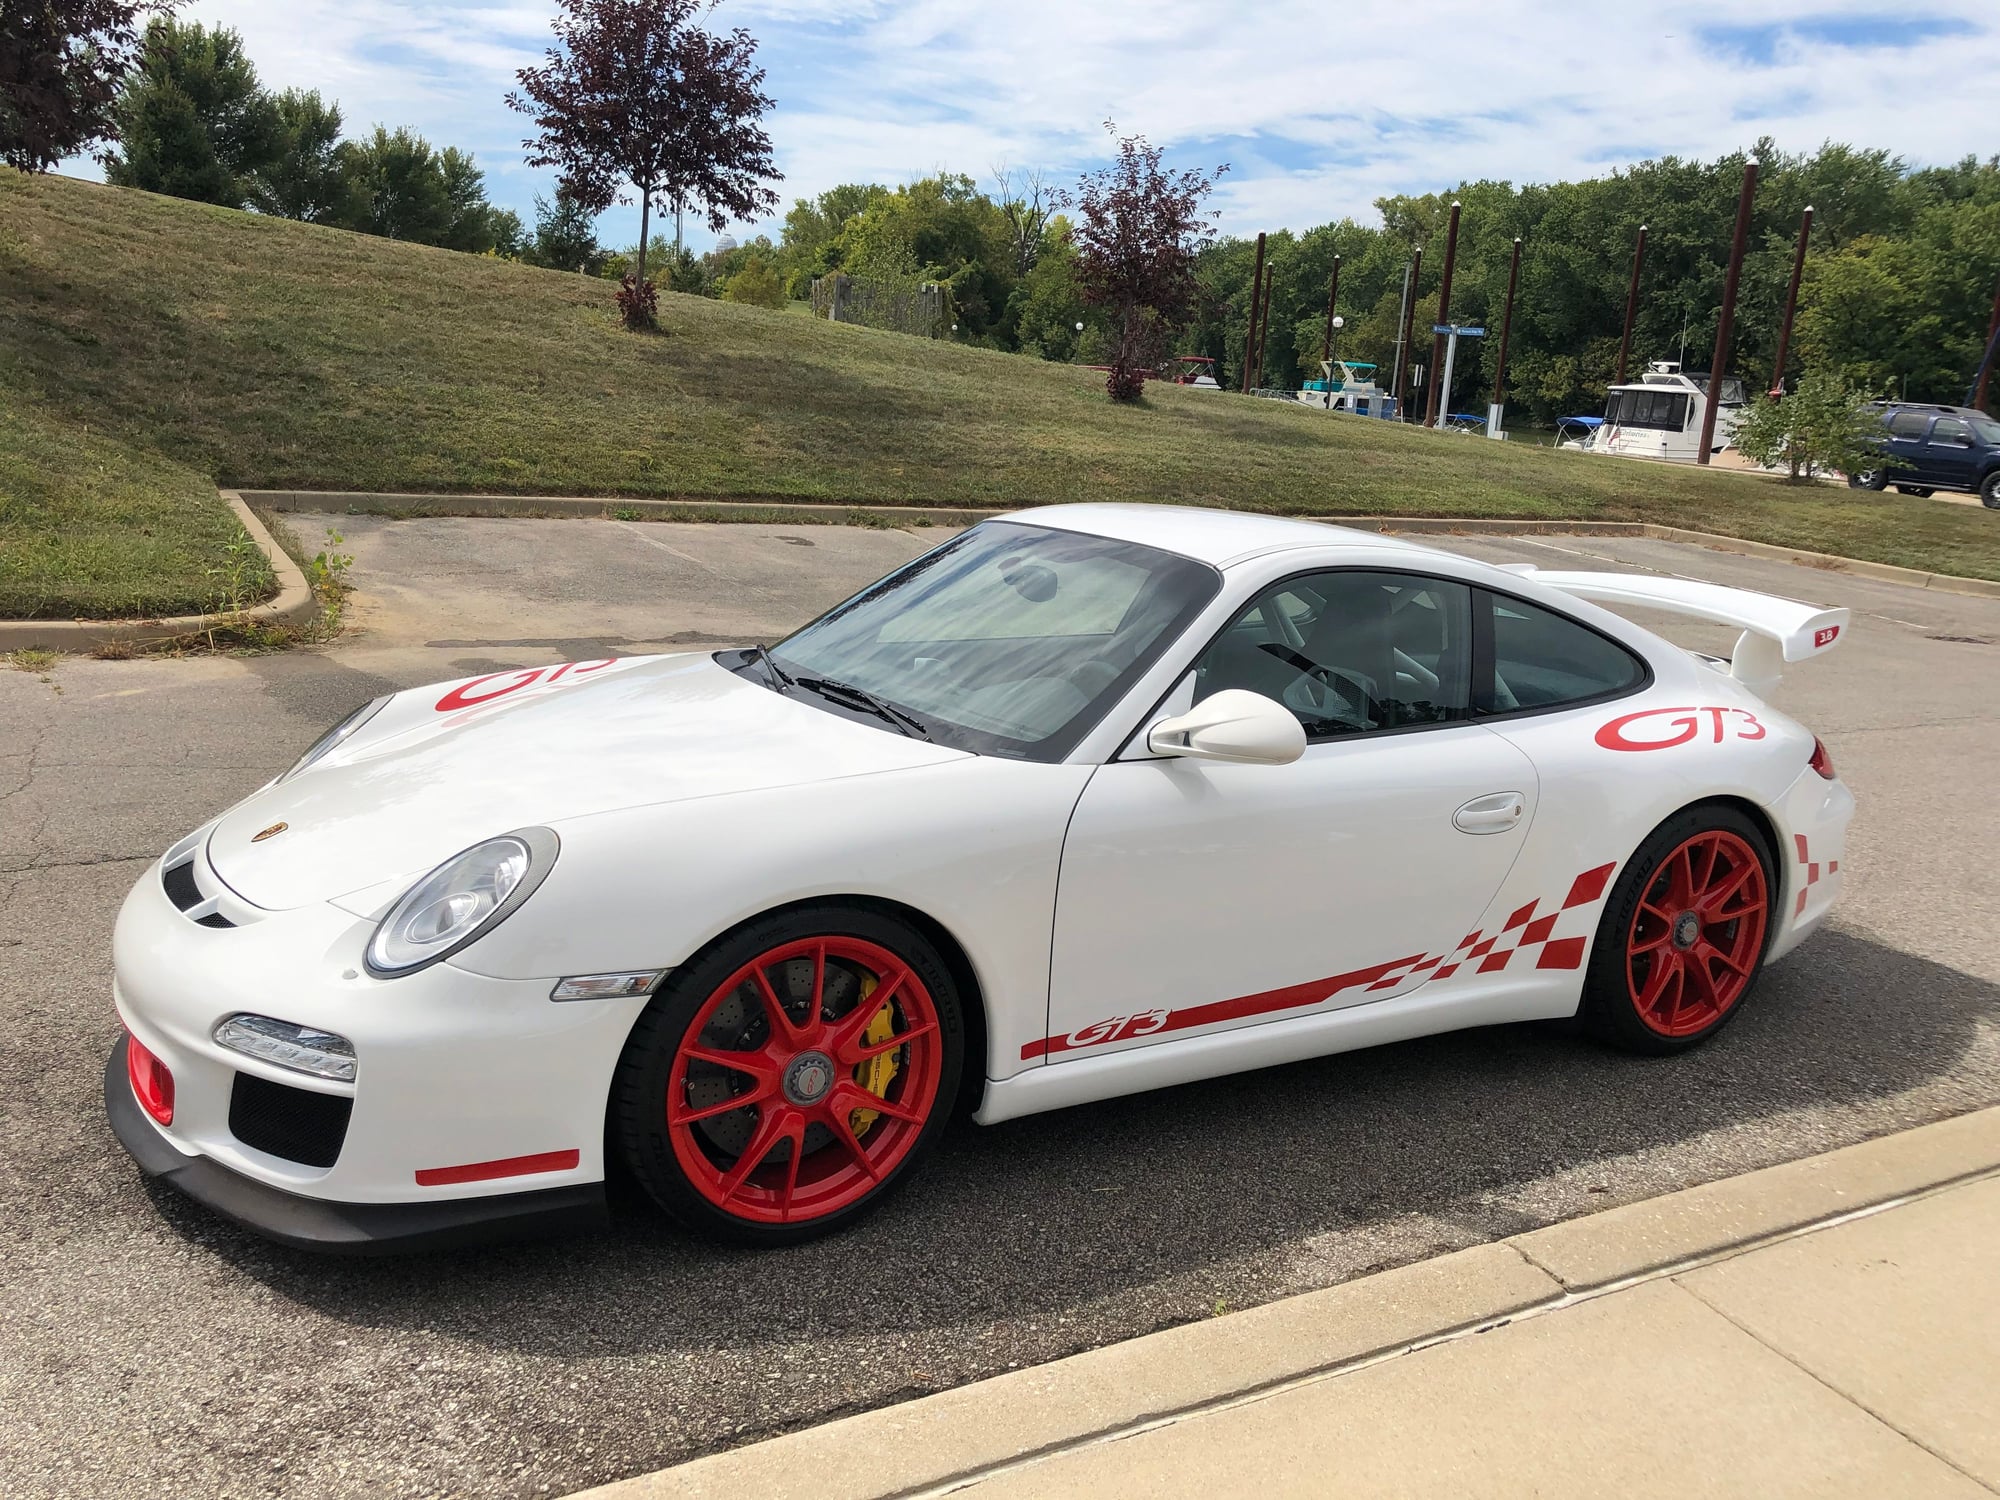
{"x": 1588, "y": 887}
{"x": 1538, "y": 931}
{"x": 1563, "y": 953}
{"x": 511, "y": 1166}
{"x": 1520, "y": 917}
{"x": 1495, "y": 961}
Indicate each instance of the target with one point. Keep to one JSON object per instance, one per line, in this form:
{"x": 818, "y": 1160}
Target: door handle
{"x": 1494, "y": 813}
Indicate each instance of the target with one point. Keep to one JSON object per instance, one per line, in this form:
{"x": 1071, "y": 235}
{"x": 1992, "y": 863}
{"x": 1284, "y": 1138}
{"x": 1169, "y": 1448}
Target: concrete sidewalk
{"x": 1827, "y": 1327}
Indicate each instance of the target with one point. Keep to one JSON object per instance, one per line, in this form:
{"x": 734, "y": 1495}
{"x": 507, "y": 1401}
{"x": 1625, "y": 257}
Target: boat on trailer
{"x": 1659, "y": 416}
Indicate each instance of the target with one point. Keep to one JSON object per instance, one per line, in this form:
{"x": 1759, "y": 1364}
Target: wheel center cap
{"x": 808, "y": 1078}
{"x": 1687, "y": 928}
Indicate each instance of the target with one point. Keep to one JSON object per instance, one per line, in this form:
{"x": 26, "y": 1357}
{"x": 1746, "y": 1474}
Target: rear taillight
{"x": 152, "y": 1084}
{"x": 1821, "y": 761}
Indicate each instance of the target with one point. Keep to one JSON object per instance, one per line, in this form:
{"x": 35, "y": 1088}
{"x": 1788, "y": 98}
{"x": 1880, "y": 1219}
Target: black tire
{"x": 1609, "y": 1011}
{"x": 638, "y": 1124}
{"x": 1989, "y": 491}
{"x": 1914, "y": 489}
{"x": 1868, "y": 479}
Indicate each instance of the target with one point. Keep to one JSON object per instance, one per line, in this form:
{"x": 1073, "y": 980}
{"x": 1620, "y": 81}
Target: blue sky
{"x": 1318, "y": 108}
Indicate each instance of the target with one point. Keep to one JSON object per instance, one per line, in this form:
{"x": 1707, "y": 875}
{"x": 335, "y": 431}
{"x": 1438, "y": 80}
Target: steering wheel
{"x": 1362, "y": 687}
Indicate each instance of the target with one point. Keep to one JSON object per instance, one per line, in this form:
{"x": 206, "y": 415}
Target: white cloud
{"x": 1319, "y": 109}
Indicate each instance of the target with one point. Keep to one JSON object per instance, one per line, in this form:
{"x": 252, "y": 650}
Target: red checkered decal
{"x": 1522, "y": 932}
{"x": 1812, "y": 873}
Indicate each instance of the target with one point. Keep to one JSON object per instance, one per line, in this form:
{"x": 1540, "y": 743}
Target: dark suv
{"x": 1936, "y": 448}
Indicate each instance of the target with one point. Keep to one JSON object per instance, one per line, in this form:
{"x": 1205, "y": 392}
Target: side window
{"x": 1908, "y": 424}
{"x": 1543, "y": 660}
{"x": 1952, "y": 433}
{"x": 1351, "y": 653}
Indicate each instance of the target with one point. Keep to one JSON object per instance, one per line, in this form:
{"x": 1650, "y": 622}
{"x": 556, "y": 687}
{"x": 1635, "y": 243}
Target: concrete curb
{"x": 938, "y": 1441}
{"x": 294, "y": 605}
{"x": 814, "y": 513}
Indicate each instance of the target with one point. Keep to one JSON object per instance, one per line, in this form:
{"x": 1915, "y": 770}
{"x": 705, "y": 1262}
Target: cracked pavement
{"x": 146, "y": 1349}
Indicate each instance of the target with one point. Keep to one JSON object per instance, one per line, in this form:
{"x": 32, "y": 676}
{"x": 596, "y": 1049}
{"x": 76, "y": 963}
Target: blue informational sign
{"x": 1467, "y": 331}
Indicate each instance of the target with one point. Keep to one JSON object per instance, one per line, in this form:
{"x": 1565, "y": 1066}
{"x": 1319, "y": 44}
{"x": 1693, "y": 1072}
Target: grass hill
{"x": 150, "y": 346}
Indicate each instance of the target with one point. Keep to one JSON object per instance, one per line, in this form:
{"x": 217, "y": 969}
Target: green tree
{"x": 304, "y": 178}
{"x": 755, "y": 283}
{"x": 403, "y": 189}
{"x": 1825, "y": 425}
{"x": 193, "y": 122}
{"x": 565, "y": 237}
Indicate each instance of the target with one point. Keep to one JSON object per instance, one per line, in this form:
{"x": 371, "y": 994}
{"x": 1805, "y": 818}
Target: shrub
{"x": 638, "y": 303}
{"x": 1824, "y": 425}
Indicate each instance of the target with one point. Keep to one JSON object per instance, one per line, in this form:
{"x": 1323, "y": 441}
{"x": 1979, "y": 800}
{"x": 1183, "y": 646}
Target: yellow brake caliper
{"x": 876, "y": 1074}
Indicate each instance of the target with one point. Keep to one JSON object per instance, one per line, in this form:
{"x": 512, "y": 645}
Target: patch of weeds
{"x": 627, "y": 513}
{"x": 113, "y": 650}
{"x": 32, "y": 659}
{"x": 871, "y": 520}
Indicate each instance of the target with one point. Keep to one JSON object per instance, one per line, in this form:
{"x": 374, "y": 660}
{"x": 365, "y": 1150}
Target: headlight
{"x": 460, "y": 901}
{"x": 335, "y": 736}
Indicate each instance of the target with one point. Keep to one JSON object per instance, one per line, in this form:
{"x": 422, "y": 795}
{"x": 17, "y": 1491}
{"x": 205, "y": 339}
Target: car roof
{"x": 1930, "y": 406}
{"x": 1217, "y": 537}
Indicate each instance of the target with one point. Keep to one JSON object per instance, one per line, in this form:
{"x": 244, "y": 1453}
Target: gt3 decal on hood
{"x": 419, "y": 785}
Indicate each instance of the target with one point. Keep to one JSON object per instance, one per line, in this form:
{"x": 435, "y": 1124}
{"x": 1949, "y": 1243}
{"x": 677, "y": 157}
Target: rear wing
{"x": 1775, "y": 630}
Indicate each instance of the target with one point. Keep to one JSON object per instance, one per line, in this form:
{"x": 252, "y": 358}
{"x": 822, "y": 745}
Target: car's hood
{"x": 440, "y": 768}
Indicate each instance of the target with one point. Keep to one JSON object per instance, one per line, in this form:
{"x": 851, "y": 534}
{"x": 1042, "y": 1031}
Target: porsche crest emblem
{"x": 269, "y": 833}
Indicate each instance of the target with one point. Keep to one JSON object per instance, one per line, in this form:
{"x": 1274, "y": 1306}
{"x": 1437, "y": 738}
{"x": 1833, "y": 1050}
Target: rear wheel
{"x": 1682, "y": 938}
{"x": 780, "y": 1085}
{"x": 1867, "y": 479}
{"x": 1989, "y": 491}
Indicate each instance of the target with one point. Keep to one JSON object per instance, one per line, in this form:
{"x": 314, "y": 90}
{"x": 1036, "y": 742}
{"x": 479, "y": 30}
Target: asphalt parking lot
{"x": 147, "y": 1349}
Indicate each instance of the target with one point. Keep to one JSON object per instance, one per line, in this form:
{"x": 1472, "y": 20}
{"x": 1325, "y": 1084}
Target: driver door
{"x": 1199, "y": 897}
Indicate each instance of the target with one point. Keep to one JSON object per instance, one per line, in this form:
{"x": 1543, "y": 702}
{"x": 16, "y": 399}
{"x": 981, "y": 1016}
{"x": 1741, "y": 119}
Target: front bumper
{"x": 345, "y": 1228}
{"x": 469, "y": 1093}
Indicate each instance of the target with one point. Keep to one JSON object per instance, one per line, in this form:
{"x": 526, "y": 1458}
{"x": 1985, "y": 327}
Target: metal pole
{"x": 1444, "y": 316}
{"x": 1450, "y": 359}
{"x": 1403, "y": 360}
{"x": 1992, "y": 345}
{"x": 1791, "y": 307}
{"x": 1403, "y": 335}
{"x": 1631, "y": 306}
{"x": 1726, "y": 324}
{"x": 1264, "y": 323}
{"x": 1493, "y": 428}
{"x": 1332, "y": 291}
{"x": 1256, "y": 292}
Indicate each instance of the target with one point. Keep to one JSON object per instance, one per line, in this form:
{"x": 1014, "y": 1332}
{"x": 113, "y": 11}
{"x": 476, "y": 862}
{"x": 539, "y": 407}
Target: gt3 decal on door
{"x": 1523, "y": 930}
{"x": 1646, "y": 731}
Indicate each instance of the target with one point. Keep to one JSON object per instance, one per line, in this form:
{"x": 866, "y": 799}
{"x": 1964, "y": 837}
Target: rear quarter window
{"x": 1540, "y": 660}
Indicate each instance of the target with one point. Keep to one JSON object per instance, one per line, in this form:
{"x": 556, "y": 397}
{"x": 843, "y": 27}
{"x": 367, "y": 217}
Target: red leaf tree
{"x": 1139, "y": 229}
{"x": 636, "y": 92}
{"x": 61, "y": 62}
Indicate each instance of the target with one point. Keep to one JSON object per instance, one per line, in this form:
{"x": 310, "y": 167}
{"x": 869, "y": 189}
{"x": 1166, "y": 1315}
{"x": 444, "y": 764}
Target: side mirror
{"x": 1236, "y": 726}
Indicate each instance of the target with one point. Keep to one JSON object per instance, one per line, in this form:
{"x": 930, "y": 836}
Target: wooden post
{"x": 1264, "y": 323}
{"x": 1631, "y": 306}
{"x": 1444, "y": 316}
{"x": 1791, "y": 307}
{"x": 1332, "y": 292}
{"x": 1727, "y": 323}
{"x": 1506, "y": 327}
{"x": 1986, "y": 366}
{"x": 1250, "y": 337}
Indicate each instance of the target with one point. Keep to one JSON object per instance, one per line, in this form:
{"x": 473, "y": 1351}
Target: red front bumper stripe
{"x": 512, "y": 1166}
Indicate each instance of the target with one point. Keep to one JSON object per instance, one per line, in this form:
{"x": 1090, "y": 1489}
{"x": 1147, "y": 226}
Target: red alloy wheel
{"x": 793, "y": 1095}
{"x": 1697, "y": 934}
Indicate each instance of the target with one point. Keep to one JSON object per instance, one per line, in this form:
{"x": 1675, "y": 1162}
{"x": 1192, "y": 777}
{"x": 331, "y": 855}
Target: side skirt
{"x": 1059, "y": 1084}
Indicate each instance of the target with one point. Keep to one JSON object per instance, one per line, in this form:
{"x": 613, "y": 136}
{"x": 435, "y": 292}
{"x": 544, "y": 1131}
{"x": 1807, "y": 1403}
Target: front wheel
{"x": 1989, "y": 491}
{"x": 1867, "y": 479}
{"x": 1914, "y": 489}
{"x": 1682, "y": 938}
{"x": 780, "y": 1084}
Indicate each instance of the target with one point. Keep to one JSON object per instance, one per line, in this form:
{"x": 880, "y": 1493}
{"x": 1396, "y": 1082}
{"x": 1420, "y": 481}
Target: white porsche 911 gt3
{"x": 1088, "y": 800}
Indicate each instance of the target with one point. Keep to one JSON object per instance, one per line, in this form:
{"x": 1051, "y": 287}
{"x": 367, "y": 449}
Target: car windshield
{"x": 1007, "y": 640}
{"x": 1985, "y": 426}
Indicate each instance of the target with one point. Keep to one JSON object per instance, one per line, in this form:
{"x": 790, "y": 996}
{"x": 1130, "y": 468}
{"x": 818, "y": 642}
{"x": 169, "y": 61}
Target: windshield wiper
{"x": 867, "y": 702}
{"x": 780, "y": 678}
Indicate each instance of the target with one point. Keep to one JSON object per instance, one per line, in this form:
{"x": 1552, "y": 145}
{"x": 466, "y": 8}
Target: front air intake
{"x": 296, "y": 1124}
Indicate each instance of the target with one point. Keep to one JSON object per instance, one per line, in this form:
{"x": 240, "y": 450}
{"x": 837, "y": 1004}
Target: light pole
{"x": 1333, "y": 327}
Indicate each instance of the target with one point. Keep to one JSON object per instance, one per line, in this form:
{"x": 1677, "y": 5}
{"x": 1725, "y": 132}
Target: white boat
{"x": 1660, "y": 415}
{"x": 1354, "y": 390}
